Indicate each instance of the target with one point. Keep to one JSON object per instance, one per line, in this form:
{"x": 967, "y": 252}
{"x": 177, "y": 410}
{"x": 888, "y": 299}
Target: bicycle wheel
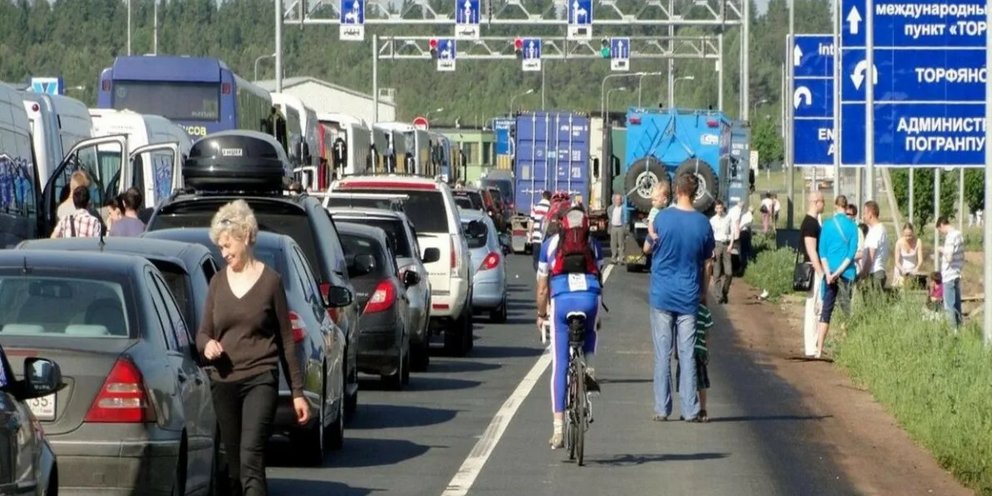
{"x": 570, "y": 425}
{"x": 581, "y": 420}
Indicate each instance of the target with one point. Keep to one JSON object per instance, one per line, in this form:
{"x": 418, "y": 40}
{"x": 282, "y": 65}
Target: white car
{"x": 431, "y": 207}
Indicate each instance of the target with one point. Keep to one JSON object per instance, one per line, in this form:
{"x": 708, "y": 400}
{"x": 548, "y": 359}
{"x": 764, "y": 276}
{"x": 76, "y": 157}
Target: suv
{"x": 432, "y": 209}
{"x": 251, "y": 166}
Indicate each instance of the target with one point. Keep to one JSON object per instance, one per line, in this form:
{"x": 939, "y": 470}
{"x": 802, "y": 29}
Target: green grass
{"x": 936, "y": 383}
{"x": 772, "y": 271}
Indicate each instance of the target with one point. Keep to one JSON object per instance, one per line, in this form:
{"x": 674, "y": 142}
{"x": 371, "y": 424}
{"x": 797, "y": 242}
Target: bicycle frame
{"x": 577, "y": 405}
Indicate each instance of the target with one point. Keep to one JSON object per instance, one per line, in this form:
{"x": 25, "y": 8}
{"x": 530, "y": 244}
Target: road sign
{"x": 48, "y": 85}
{"x": 501, "y": 128}
{"x": 579, "y": 20}
{"x": 352, "y": 21}
{"x": 446, "y": 54}
{"x": 420, "y": 122}
{"x": 812, "y": 63}
{"x": 466, "y": 19}
{"x": 929, "y": 82}
{"x": 531, "y": 51}
{"x": 619, "y": 54}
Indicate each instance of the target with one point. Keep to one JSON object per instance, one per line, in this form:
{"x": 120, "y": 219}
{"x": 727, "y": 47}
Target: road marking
{"x": 462, "y": 482}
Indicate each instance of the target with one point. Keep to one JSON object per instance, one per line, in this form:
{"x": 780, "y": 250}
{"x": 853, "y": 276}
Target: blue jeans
{"x": 952, "y": 302}
{"x": 665, "y": 326}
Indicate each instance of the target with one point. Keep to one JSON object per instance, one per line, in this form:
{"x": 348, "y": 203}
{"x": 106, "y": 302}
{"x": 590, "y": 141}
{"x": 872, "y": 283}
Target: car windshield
{"x": 394, "y": 229}
{"x": 425, "y": 209}
{"x": 356, "y": 245}
{"x": 464, "y": 202}
{"x": 62, "y": 306}
{"x": 475, "y": 241}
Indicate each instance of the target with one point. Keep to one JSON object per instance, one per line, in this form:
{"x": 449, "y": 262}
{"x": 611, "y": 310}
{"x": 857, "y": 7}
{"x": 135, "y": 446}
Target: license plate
{"x": 593, "y": 228}
{"x": 44, "y": 407}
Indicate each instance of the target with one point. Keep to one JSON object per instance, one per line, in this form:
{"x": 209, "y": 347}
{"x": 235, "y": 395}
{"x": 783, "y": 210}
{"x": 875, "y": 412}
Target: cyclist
{"x": 568, "y": 274}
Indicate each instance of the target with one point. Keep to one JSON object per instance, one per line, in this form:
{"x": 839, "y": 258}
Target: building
{"x": 325, "y": 97}
{"x": 476, "y": 145}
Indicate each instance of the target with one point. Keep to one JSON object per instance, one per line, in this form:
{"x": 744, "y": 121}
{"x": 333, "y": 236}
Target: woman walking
{"x": 245, "y": 334}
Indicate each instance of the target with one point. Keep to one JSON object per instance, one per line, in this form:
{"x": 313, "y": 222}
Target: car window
{"x": 308, "y": 283}
{"x": 425, "y": 208}
{"x": 477, "y": 202}
{"x": 158, "y": 301}
{"x": 464, "y": 202}
{"x": 63, "y": 306}
{"x": 475, "y": 241}
{"x": 356, "y": 245}
{"x": 394, "y": 229}
{"x": 378, "y": 203}
{"x": 209, "y": 268}
{"x": 180, "y": 331}
{"x": 178, "y": 283}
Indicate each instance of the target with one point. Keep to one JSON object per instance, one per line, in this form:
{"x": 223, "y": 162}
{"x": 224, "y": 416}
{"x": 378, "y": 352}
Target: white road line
{"x": 462, "y": 482}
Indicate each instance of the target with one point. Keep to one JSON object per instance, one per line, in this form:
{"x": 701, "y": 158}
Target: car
{"x": 489, "y": 259}
{"x": 320, "y": 342}
{"x": 384, "y": 342}
{"x": 408, "y": 257}
{"x": 383, "y": 201}
{"x": 432, "y": 209}
{"x": 469, "y": 199}
{"x": 26, "y": 447}
{"x": 136, "y": 414}
{"x": 214, "y": 179}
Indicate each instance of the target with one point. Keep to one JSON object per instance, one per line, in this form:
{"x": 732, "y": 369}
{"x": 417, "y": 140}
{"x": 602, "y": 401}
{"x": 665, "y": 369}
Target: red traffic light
{"x": 432, "y": 43}
{"x": 518, "y": 44}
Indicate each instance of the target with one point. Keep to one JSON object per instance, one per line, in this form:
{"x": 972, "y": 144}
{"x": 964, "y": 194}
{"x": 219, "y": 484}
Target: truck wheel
{"x": 640, "y": 180}
{"x": 706, "y": 194}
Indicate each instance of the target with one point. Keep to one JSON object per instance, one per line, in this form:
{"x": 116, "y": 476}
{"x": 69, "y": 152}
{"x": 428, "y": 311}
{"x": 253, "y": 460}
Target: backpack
{"x": 574, "y": 254}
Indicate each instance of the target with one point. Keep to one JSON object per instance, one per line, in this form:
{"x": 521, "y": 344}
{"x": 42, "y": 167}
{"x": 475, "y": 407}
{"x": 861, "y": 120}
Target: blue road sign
{"x": 812, "y": 62}
{"x": 467, "y": 11}
{"x": 532, "y": 49}
{"x": 353, "y": 12}
{"x": 446, "y": 49}
{"x": 580, "y": 12}
{"x": 48, "y": 85}
{"x": 620, "y": 48}
{"x": 501, "y": 127}
{"x": 929, "y": 78}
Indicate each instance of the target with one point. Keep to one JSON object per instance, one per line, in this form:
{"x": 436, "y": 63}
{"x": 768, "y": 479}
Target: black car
{"x": 229, "y": 166}
{"x": 320, "y": 342}
{"x": 384, "y": 347}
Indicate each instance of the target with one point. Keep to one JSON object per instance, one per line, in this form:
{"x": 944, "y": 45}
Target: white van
{"x": 18, "y": 174}
{"x": 57, "y": 123}
{"x": 161, "y": 164}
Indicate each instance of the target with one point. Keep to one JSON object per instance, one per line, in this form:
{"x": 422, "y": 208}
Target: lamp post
{"x": 608, "y": 93}
{"x": 512, "y": 99}
{"x": 675, "y": 83}
{"x": 754, "y": 108}
{"x": 259, "y": 59}
{"x": 641, "y": 80}
{"x": 602, "y": 90}
{"x": 435, "y": 111}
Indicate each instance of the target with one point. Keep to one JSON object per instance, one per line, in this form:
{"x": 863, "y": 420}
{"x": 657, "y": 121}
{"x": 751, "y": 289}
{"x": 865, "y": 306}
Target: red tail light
{"x": 382, "y": 298}
{"x": 491, "y": 261}
{"x": 297, "y": 324}
{"x": 325, "y": 288}
{"x": 225, "y": 88}
{"x": 454, "y": 258}
{"x": 122, "y": 398}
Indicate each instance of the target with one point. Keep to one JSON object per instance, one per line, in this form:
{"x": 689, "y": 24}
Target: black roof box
{"x": 237, "y": 161}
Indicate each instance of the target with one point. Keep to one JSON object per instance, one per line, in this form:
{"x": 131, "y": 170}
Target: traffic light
{"x": 604, "y": 48}
{"x": 432, "y": 44}
{"x": 518, "y": 47}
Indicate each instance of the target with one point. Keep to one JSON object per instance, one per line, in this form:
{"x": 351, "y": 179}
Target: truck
{"x": 664, "y": 143}
{"x": 551, "y": 153}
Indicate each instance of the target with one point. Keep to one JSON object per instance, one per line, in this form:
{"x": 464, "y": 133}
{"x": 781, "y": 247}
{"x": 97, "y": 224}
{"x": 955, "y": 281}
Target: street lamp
{"x": 602, "y": 91}
{"x": 435, "y": 111}
{"x": 528, "y": 92}
{"x": 754, "y": 108}
{"x": 610, "y": 92}
{"x": 675, "y": 84}
{"x": 259, "y": 59}
{"x": 641, "y": 80}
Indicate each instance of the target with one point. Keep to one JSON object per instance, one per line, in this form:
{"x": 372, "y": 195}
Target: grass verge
{"x": 937, "y": 384}
{"x": 772, "y": 271}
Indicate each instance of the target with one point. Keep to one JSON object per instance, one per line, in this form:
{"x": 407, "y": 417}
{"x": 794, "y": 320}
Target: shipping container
{"x": 552, "y": 153}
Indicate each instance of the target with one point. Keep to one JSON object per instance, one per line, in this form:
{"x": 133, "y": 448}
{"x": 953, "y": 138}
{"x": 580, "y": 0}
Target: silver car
{"x": 488, "y": 261}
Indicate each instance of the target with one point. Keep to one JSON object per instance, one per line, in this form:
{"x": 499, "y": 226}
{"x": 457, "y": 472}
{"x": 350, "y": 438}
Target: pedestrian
{"x": 681, "y": 258}
{"x": 908, "y": 255}
{"x": 723, "y": 266}
{"x": 838, "y": 246}
{"x": 951, "y": 263}
{"x": 809, "y": 232}
{"x": 876, "y": 251}
{"x": 79, "y": 223}
{"x": 129, "y": 224}
{"x": 78, "y": 179}
{"x": 852, "y": 213}
{"x": 618, "y": 234}
{"x": 114, "y": 208}
{"x": 704, "y": 321}
{"x": 935, "y": 294}
{"x": 245, "y": 335}
{"x": 535, "y": 232}
{"x": 767, "y": 204}
{"x": 776, "y": 210}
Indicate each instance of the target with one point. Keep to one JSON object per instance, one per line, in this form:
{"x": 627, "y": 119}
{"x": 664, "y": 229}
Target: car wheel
{"x": 420, "y": 354}
{"x": 469, "y": 336}
{"x": 499, "y": 315}
{"x": 335, "y": 434}
{"x": 395, "y": 380}
{"x": 453, "y": 335}
{"x": 310, "y": 442}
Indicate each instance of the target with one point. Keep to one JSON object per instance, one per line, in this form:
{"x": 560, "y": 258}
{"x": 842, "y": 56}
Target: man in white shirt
{"x": 951, "y": 263}
{"x": 618, "y": 233}
{"x": 722, "y": 262}
{"x": 535, "y": 234}
{"x": 876, "y": 250}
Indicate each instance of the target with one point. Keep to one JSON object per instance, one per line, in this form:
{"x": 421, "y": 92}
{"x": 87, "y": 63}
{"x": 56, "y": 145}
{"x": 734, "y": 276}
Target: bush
{"x": 772, "y": 271}
{"x": 937, "y": 384}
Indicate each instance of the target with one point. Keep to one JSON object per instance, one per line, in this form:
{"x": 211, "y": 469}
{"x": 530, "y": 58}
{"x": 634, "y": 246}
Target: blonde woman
{"x": 244, "y": 335}
{"x": 908, "y": 256}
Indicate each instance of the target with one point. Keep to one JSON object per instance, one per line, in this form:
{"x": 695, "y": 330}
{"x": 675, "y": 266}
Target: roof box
{"x": 237, "y": 161}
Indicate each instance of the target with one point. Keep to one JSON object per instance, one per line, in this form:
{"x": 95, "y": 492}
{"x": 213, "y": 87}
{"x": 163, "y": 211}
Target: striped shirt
{"x": 704, "y": 321}
{"x": 80, "y": 224}
{"x": 537, "y": 214}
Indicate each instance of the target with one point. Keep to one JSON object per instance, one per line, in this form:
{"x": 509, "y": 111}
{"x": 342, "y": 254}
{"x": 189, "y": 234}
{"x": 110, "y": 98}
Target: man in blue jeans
{"x": 680, "y": 256}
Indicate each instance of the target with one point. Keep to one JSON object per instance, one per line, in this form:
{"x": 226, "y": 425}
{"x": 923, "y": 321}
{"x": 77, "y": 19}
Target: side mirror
{"x": 41, "y": 377}
{"x": 431, "y": 255}
{"x": 338, "y": 296}
{"x": 411, "y": 278}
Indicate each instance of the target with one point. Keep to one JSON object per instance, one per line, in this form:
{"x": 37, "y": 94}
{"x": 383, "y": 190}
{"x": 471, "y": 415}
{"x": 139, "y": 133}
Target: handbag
{"x": 802, "y": 274}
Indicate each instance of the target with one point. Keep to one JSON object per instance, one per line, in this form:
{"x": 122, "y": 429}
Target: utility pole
{"x": 745, "y": 63}
{"x": 155, "y": 29}
{"x": 129, "y": 27}
{"x": 671, "y": 61}
{"x": 278, "y": 46}
{"x": 790, "y": 147}
{"x": 375, "y": 78}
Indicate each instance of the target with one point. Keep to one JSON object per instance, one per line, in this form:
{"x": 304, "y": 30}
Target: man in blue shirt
{"x": 838, "y": 247}
{"x": 681, "y": 256}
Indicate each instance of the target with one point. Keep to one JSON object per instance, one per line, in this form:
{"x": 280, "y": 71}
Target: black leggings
{"x": 245, "y": 411}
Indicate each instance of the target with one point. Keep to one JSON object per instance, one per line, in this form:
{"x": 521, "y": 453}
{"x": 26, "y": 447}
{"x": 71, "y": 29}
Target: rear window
{"x": 62, "y": 306}
{"x": 475, "y": 241}
{"x": 463, "y": 202}
{"x": 425, "y": 209}
{"x": 379, "y": 203}
{"x": 394, "y": 229}
{"x": 355, "y": 246}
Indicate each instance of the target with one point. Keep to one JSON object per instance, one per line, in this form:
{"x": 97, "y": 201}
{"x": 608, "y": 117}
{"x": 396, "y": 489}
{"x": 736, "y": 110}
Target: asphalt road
{"x": 480, "y": 424}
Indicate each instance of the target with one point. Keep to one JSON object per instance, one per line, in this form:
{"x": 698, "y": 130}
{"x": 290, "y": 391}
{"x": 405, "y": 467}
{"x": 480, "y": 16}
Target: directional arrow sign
{"x": 447, "y": 53}
{"x": 619, "y": 54}
{"x": 797, "y": 56}
{"x": 467, "y": 19}
{"x": 813, "y": 100}
{"x": 580, "y": 20}
{"x": 854, "y": 21}
{"x": 859, "y": 73}
{"x": 532, "y": 54}
{"x": 802, "y": 96}
{"x": 352, "y": 20}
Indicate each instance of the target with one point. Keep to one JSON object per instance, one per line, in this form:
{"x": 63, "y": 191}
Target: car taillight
{"x": 122, "y": 398}
{"x": 454, "y": 257}
{"x": 382, "y": 298}
{"x": 297, "y": 324}
{"x": 491, "y": 261}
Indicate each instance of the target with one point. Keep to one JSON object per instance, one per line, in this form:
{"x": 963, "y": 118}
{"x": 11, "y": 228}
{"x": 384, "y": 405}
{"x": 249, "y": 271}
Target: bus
{"x": 347, "y": 142}
{"x": 442, "y": 160}
{"x": 418, "y": 148}
{"x": 201, "y": 94}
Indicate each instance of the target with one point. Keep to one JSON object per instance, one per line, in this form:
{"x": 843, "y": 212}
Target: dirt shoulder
{"x": 872, "y": 449}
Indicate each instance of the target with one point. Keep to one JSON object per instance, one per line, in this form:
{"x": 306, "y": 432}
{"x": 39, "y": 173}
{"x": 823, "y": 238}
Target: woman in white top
{"x": 908, "y": 255}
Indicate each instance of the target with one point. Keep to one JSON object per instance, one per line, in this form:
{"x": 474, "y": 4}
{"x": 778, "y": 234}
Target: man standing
{"x": 536, "y": 233}
{"x": 838, "y": 246}
{"x": 722, "y": 264}
{"x": 682, "y": 256}
{"x": 876, "y": 249}
{"x": 617, "y": 232}
{"x": 809, "y": 232}
{"x": 951, "y": 263}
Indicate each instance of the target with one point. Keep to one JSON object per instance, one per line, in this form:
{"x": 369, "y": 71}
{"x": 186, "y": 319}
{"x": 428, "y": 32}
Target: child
{"x": 935, "y": 300}
{"x": 659, "y": 198}
{"x": 704, "y": 321}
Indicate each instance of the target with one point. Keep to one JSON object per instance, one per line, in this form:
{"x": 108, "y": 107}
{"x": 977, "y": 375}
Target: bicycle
{"x": 578, "y": 407}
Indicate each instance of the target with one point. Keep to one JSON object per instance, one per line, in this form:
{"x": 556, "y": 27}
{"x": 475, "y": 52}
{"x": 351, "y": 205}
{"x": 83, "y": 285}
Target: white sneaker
{"x": 557, "y": 441}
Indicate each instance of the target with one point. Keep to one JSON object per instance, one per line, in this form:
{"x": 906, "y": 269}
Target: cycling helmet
{"x": 559, "y": 196}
